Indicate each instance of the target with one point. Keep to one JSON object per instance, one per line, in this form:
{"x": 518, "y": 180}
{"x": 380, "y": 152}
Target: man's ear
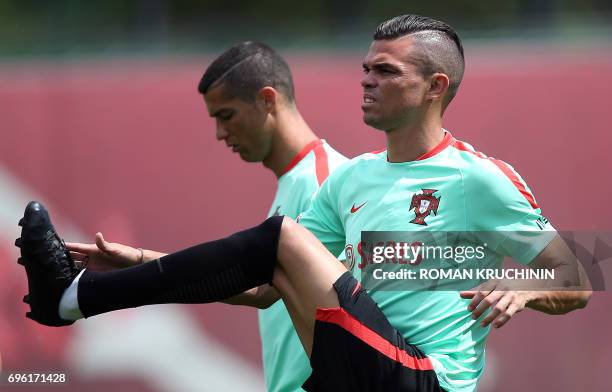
{"x": 269, "y": 97}
{"x": 438, "y": 87}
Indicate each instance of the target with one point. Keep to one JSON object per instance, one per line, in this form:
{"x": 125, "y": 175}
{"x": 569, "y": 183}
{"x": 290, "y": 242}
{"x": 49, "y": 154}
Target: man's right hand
{"x": 103, "y": 255}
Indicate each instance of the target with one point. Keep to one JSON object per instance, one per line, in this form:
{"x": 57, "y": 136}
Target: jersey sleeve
{"x": 502, "y": 208}
{"x": 323, "y": 220}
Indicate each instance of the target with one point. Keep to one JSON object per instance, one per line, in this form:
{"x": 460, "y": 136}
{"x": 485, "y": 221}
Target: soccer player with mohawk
{"x": 357, "y": 339}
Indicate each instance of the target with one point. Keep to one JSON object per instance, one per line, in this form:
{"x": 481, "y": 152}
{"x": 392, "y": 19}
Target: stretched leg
{"x": 356, "y": 347}
{"x": 304, "y": 273}
{"x": 279, "y": 251}
{"x": 208, "y": 272}
{"x": 204, "y": 273}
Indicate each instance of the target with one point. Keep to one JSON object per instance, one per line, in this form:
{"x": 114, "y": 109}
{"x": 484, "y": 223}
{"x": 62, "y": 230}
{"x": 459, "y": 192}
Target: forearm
{"x": 560, "y": 301}
{"x": 150, "y": 255}
{"x": 261, "y": 297}
{"x": 569, "y": 289}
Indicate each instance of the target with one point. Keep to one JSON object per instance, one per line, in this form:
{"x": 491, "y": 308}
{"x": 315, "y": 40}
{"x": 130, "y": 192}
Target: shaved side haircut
{"x": 246, "y": 68}
{"x": 439, "y": 47}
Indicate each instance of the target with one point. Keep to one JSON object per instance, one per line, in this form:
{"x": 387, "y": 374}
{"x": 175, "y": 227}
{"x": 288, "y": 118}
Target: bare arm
{"x": 261, "y": 297}
{"x": 569, "y": 290}
{"x": 108, "y": 256}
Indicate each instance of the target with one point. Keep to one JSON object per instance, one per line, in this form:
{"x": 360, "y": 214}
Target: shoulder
{"x": 351, "y": 166}
{"x": 315, "y": 166}
{"x": 489, "y": 176}
{"x": 345, "y": 175}
{"x": 334, "y": 158}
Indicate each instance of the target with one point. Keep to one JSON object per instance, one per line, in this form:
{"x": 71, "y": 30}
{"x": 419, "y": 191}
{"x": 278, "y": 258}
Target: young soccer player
{"x": 249, "y": 92}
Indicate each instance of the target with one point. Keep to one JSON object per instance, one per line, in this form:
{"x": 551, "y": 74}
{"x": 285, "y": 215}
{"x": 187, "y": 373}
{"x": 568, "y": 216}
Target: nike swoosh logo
{"x": 355, "y": 209}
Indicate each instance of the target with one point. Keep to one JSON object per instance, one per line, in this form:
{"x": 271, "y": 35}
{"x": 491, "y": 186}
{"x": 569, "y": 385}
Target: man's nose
{"x": 368, "y": 80}
{"x": 222, "y": 133}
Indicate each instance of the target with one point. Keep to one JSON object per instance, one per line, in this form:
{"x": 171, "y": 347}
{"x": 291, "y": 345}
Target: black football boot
{"x": 48, "y": 264}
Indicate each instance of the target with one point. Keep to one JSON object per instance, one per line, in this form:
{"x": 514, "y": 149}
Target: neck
{"x": 291, "y": 136}
{"x": 409, "y": 142}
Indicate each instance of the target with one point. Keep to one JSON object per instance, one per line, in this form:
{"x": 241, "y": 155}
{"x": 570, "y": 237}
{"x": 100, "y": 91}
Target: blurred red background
{"x": 126, "y": 147}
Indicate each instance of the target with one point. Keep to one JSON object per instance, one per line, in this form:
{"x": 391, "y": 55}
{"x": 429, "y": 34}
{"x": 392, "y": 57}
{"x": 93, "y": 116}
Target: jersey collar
{"x": 300, "y": 155}
{"x": 446, "y": 141}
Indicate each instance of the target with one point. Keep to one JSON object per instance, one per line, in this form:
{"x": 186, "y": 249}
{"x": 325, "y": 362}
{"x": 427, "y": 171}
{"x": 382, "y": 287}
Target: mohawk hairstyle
{"x": 440, "y": 49}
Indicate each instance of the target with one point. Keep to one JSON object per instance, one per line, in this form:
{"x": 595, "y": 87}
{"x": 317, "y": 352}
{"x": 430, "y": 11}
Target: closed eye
{"x": 386, "y": 70}
{"x": 223, "y": 115}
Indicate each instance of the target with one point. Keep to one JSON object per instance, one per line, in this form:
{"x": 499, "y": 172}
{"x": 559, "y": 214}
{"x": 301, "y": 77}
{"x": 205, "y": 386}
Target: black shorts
{"x": 356, "y": 349}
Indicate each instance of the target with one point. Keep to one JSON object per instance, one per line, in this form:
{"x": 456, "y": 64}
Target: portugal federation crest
{"x": 424, "y": 204}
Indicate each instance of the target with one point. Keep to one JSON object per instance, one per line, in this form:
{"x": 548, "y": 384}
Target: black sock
{"x": 204, "y": 273}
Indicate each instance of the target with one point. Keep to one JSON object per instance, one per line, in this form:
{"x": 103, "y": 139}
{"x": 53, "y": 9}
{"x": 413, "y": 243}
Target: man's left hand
{"x": 499, "y": 296}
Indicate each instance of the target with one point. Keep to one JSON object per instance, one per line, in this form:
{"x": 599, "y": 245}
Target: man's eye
{"x": 225, "y": 117}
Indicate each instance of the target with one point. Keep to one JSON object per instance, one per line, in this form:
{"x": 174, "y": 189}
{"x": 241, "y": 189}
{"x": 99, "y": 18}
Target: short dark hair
{"x": 246, "y": 68}
{"x": 441, "y": 48}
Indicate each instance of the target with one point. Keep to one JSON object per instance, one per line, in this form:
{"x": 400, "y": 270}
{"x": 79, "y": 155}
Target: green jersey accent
{"x": 286, "y": 365}
{"x": 472, "y": 193}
